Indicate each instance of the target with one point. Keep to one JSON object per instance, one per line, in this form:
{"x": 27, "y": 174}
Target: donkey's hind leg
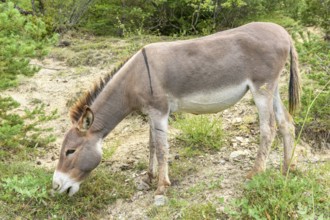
{"x": 286, "y": 128}
{"x": 263, "y": 97}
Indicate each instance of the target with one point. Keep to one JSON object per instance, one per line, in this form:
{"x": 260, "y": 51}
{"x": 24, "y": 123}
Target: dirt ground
{"x": 56, "y": 85}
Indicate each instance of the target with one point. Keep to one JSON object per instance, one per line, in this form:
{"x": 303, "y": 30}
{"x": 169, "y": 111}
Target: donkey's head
{"x": 80, "y": 154}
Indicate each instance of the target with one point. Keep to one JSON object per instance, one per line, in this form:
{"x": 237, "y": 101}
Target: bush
{"x": 21, "y": 38}
{"x": 186, "y": 17}
{"x": 317, "y": 13}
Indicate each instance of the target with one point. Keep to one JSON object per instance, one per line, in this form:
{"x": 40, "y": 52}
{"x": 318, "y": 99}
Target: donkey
{"x": 204, "y": 75}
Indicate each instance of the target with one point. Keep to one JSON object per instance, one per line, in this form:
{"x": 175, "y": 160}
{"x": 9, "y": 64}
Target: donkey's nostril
{"x": 68, "y": 190}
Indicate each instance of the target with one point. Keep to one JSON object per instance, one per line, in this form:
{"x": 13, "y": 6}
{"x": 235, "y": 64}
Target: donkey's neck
{"x": 110, "y": 107}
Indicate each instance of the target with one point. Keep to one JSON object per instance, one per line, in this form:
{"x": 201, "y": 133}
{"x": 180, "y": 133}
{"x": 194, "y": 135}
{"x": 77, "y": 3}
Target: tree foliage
{"x": 168, "y": 17}
{"x": 317, "y": 12}
{"x": 195, "y": 16}
{"x": 21, "y": 37}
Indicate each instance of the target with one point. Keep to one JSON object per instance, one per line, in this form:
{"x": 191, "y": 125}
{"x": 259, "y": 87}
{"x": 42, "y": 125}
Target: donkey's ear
{"x": 86, "y": 120}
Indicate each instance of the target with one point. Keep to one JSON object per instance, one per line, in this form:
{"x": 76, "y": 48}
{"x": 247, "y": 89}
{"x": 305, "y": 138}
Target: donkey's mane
{"x": 89, "y": 97}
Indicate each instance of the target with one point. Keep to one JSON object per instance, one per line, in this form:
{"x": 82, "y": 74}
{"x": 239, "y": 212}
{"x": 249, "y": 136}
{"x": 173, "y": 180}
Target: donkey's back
{"x": 211, "y": 73}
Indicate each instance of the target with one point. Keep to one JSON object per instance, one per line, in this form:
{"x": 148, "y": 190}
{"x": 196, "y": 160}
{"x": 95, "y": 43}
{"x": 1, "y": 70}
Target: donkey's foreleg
{"x": 162, "y": 152}
{"x": 158, "y": 129}
{"x": 152, "y": 171}
{"x": 267, "y": 131}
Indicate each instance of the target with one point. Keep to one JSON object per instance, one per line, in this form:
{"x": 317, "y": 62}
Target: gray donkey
{"x": 204, "y": 75}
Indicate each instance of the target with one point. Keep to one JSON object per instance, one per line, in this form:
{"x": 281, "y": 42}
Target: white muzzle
{"x": 62, "y": 182}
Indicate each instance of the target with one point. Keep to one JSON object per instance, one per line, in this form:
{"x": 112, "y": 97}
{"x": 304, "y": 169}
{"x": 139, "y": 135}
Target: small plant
{"x": 201, "y": 211}
{"x": 199, "y": 133}
{"x": 271, "y": 195}
{"x": 21, "y": 132}
{"x": 25, "y": 187}
{"x": 109, "y": 150}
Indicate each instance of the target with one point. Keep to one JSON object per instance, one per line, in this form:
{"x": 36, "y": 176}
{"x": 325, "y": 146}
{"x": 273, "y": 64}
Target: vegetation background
{"x": 31, "y": 29}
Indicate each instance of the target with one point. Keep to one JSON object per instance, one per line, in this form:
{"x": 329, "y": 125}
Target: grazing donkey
{"x": 204, "y": 75}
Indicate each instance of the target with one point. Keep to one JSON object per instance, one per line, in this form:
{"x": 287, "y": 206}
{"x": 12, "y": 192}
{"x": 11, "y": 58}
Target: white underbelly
{"x": 208, "y": 101}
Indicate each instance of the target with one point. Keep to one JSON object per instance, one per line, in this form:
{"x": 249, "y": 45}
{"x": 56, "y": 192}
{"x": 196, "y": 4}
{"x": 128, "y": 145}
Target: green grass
{"x": 199, "y": 133}
{"x": 190, "y": 203}
{"x": 25, "y": 192}
{"x": 270, "y": 195}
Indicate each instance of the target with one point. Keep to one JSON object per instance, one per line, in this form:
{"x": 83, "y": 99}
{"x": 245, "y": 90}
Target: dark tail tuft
{"x": 294, "y": 84}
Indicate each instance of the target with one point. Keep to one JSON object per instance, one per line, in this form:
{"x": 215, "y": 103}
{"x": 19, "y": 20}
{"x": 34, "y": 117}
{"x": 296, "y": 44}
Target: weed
{"x": 141, "y": 166}
{"x": 199, "y": 133}
{"x": 271, "y": 195}
{"x": 108, "y": 151}
{"x": 19, "y": 133}
{"x": 203, "y": 186}
{"x": 201, "y": 211}
{"x": 182, "y": 168}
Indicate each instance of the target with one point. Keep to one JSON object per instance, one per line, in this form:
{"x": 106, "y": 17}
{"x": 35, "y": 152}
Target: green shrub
{"x": 271, "y": 195}
{"x": 317, "y": 13}
{"x": 200, "y": 132}
{"x": 21, "y": 38}
{"x": 315, "y": 57}
{"x": 19, "y": 133}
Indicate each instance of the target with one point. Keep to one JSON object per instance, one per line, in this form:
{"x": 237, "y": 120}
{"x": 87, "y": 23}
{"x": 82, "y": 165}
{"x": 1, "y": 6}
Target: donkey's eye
{"x": 68, "y": 152}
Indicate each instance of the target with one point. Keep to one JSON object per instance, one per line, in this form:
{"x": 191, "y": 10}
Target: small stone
{"x": 238, "y": 120}
{"x": 222, "y": 162}
{"x": 142, "y": 186}
{"x": 160, "y": 200}
{"x": 240, "y": 139}
{"x": 239, "y": 153}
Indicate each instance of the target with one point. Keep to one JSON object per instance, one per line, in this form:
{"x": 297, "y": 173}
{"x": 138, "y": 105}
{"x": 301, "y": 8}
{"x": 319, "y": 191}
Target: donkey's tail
{"x": 294, "y": 84}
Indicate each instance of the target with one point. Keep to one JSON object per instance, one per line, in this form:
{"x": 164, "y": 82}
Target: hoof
{"x": 160, "y": 200}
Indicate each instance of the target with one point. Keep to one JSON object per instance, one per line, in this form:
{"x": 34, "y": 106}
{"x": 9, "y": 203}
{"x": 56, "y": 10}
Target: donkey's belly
{"x": 209, "y": 101}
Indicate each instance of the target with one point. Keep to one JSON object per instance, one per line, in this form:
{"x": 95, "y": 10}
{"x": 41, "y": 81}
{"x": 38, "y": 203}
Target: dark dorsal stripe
{"x": 147, "y": 65}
